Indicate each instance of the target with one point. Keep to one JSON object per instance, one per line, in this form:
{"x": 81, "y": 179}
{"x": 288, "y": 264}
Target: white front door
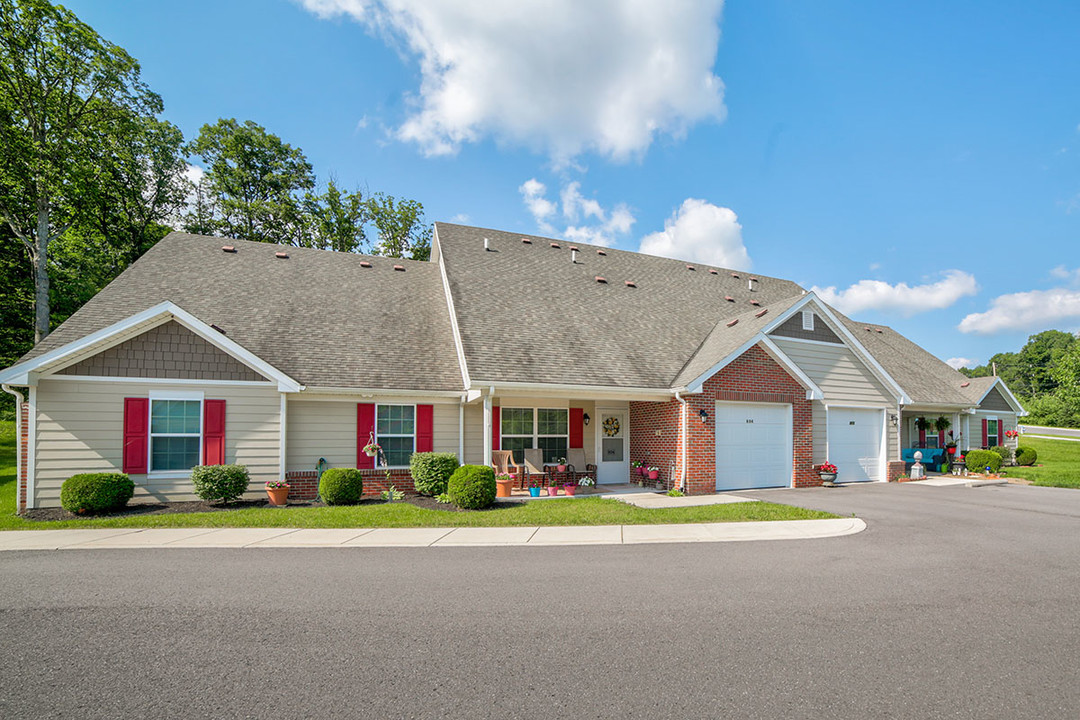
{"x": 855, "y": 442}
{"x": 612, "y": 451}
{"x": 753, "y": 445}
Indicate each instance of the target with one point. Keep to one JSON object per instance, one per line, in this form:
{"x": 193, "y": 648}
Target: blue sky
{"x": 918, "y": 162}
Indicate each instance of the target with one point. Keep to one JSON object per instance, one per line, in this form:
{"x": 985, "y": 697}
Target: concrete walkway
{"x": 425, "y": 537}
{"x": 951, "y": 480}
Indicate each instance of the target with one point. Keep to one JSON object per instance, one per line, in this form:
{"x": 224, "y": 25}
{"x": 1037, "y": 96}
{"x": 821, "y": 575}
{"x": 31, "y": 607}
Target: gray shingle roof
{"x": 527, "y": 314}
{"x": 977, "y": 387}
{"x": 318, "y": 316}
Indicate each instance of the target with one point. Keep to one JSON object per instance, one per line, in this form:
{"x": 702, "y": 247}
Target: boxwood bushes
{"x": 431, "y": 471}
{"x": 1026, "y": 455}
{"x": 978, "y": 460}
{"x": 472, "y": 487}
{"x": 341, "y": 486}
{"x": 89, "y": 493}
{"x": 220, "y": 482}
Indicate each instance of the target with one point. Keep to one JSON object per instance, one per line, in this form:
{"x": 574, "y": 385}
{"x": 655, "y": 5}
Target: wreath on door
{"x": 611, "y": 426}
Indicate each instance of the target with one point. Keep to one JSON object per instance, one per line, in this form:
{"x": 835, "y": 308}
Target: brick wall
{"x": 896, "y": 468}
{"x": 753, "y": 377}
{"x": 24, "y": 453}
{"x": 304, "y": 484}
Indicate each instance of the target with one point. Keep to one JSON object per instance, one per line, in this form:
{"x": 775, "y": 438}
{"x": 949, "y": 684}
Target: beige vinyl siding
{"x": 995, "y": 401}
{"x": 819, "y": 447}
{"x": 1008, "y": 422}
{"x": 838, "y": 372}
{"x": 474, "y": 434}
{"x": 80, "y": 428}
{"x": 327, "y": 429}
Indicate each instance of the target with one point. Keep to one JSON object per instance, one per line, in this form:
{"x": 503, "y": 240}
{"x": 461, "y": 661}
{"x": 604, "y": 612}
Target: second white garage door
{"x": 753, "y": 445}
{"x": 855, "y": 443}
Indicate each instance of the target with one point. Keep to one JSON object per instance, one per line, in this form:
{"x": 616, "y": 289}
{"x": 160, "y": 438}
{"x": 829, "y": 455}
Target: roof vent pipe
{"x": 752, "y": 284}
{"x": 487, "y": 245}
{"x": 573, "y": 255}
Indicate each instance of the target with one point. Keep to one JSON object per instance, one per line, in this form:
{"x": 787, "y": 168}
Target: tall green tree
{"x": 337, "y": 219}
{"x": 253, "y": 187}
{"x": 63, "y": 92}
{"x": 401, "y": 228}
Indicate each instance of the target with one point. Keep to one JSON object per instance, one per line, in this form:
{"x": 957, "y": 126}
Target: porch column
{"x": 487, "y": 429}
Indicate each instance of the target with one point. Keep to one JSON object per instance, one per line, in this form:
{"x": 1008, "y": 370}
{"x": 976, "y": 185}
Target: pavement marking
{"x": 531, "y": 536}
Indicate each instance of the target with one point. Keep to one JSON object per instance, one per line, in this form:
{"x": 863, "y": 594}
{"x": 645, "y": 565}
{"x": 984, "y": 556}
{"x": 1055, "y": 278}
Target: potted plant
{"x": 827, "y": 471}
{"x": 560, "y": 464}
{"x": 372, "y": 449}
{"x": 950, "y": 446}
{"x": 654, "y": 473}
{"x": 569, "y": 488}
{"x": 504, "y": 484}
{"x": 534, "y": 487}
{"x": 942, "y": 424}
{"x": 278, "y": 492}
{"x": 587, "y": 482}
{"x": 553, "y": 489}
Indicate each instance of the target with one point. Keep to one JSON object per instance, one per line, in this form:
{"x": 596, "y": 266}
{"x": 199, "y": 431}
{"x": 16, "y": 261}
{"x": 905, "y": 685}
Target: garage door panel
{"x": 753, "y": 445}
{"x": 855, "y": 437}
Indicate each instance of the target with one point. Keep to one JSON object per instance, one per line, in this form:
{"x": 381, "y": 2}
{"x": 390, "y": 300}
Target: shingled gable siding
{"x": 80, "y": 429}
{"x": 168, "y": 351}
{"x": 792, "y": 327}
{"x": 753, "y": 377}
{"x": 326, "y": 429}
{"x": 995, "y": 401}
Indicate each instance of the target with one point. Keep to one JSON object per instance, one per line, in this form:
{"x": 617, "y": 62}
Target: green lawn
{"x": 1059, "y": 461}
{"x": 579, "y": 511}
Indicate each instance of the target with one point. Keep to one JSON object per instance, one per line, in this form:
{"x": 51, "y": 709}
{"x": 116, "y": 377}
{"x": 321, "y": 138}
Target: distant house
{"x": 281, "y": 358}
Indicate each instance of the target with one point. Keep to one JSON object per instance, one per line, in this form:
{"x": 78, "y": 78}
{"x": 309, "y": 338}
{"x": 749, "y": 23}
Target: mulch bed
{"x": 197, "y": 506}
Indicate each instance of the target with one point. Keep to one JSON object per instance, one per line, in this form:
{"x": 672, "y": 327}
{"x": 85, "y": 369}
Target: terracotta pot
{"x": 654, "y": 474}
{"x": 534, "y": 491}
{"x": 278, "y": 496}
{"x": 569, "y": 489}
{"x": 553, "y": 491}
{"x": 503, "y": 488}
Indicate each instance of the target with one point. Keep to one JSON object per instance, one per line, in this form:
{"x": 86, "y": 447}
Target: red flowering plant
{"x": 827, "y": 468}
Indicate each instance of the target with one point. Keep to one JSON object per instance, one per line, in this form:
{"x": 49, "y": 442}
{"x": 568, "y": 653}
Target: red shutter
{"x": 425, "y": 428}
{"x": 213, "y": 432}
{"x": 577, "y": 424}
{"x": 922, "y": 437}
{"x": 495, "y": 428}
{"x": 365, "y": 426}
{"x": 941, "y": 438}
{"x": 986, "y": 438}
{"x": 136, "y": 420}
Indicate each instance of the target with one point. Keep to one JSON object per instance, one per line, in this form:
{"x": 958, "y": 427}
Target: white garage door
{"x": 753, "y": 446}
{"x": 855, "y": 443}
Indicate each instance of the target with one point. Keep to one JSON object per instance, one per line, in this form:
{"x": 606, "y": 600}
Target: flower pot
{"x": 560, "y": 468}
{"x": 371, "y": 453}
{"x": 569, "y": 489}
{"x": 278, "y": 496}
{"x": 653, "y": 475}
{"x": 535, "y": 492}
{"x": 641, "y": 471}
{"x": 552, "y": 491}
{"x": 950, "y": 450}
{"x": 828, "y": 477}
{"x": 503, "y": 488}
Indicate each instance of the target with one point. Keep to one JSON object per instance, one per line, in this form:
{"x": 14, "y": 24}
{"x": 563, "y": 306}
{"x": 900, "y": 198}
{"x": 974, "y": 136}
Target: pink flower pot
{"x": 553, "y": 491}
{"x": 654, "y": 474}
{"x": 569, "y": 489}
{"x": 560, "y": 468}
{"x": 642, "y": 471}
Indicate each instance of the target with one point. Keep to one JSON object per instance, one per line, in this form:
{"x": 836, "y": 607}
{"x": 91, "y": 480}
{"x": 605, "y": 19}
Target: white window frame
{"x": 182, "y": 395}
{"x": 996, "y": 435}
{"x": 536, "y": 434}
{"x": 393, "y": 435}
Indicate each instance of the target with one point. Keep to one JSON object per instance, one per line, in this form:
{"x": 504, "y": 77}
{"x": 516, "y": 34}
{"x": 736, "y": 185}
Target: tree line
{"x": 1044, "y": 375}
{"x": 91, "y": 177}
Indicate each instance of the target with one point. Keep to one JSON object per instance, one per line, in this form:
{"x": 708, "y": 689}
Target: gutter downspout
{"x": 682, "y": 473}
{"x": 19, "y": 400}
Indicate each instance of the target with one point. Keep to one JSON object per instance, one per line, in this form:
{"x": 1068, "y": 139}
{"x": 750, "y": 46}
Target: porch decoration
{"x": 827, "y": 472}
{"x": 611, "y": 426}
{"x": 587, "y": 481}
{"x": 372, "y": 448}
{"x": 504, "y": 484}
{"x": 950, "y": 446}
{"x": 534, "y": 486}
{"x": 553, "y": 490}
{"x": 560, "y": 464}
{"x": 278, "y": 492}
{"x": 569, "y": 489}
{"x": 654, "y": 473}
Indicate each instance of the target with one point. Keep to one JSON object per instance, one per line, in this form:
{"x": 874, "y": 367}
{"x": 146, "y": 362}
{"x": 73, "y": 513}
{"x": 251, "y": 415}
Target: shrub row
{"x": 223, "y": 483}
{"x": 90, "y": 493}
{"x": 431, "y": 471}
{"x": 979, "y": 460}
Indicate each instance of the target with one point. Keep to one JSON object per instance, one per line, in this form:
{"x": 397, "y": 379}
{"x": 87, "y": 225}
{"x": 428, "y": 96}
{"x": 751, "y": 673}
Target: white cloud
{"x": 1063, "y": 273}
{"x": 460, "y": 218}
{"x": 194, "y": 174}
{"x": 961, "y": 362}
{"x": 901, "y": 298}
{"x": 1027, "y": 311}
{"x": 606, "y": 228}
{"x": 702, "y": 232}
{"x": 561, "y": 76}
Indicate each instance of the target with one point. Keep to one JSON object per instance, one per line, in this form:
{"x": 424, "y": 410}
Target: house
{"x": 289, "y": 360}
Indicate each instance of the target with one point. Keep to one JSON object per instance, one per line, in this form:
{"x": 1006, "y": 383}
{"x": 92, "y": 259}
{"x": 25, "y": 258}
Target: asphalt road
{"x": 955, "y": 602}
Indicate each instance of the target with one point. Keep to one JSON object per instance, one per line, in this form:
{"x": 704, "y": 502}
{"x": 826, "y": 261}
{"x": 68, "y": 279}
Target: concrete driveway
{"x": 955, "y": 602}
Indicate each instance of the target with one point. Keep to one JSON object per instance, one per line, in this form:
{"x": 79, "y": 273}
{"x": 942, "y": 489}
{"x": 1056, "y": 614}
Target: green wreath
{"x": 611, "y": 426}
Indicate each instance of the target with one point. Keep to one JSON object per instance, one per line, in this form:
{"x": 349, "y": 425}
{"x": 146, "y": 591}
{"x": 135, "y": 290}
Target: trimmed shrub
{"x": 1026, "y": 455}
{"x": 977, "y": 460}
{"x": 220, "y": 482}
{"x": 341, "y": 486}
{"x": 431, "y": 471}
{"x": 1004, "y": 451}
{"x": 472, "y": 487}
{"x": 89, "y": 493}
